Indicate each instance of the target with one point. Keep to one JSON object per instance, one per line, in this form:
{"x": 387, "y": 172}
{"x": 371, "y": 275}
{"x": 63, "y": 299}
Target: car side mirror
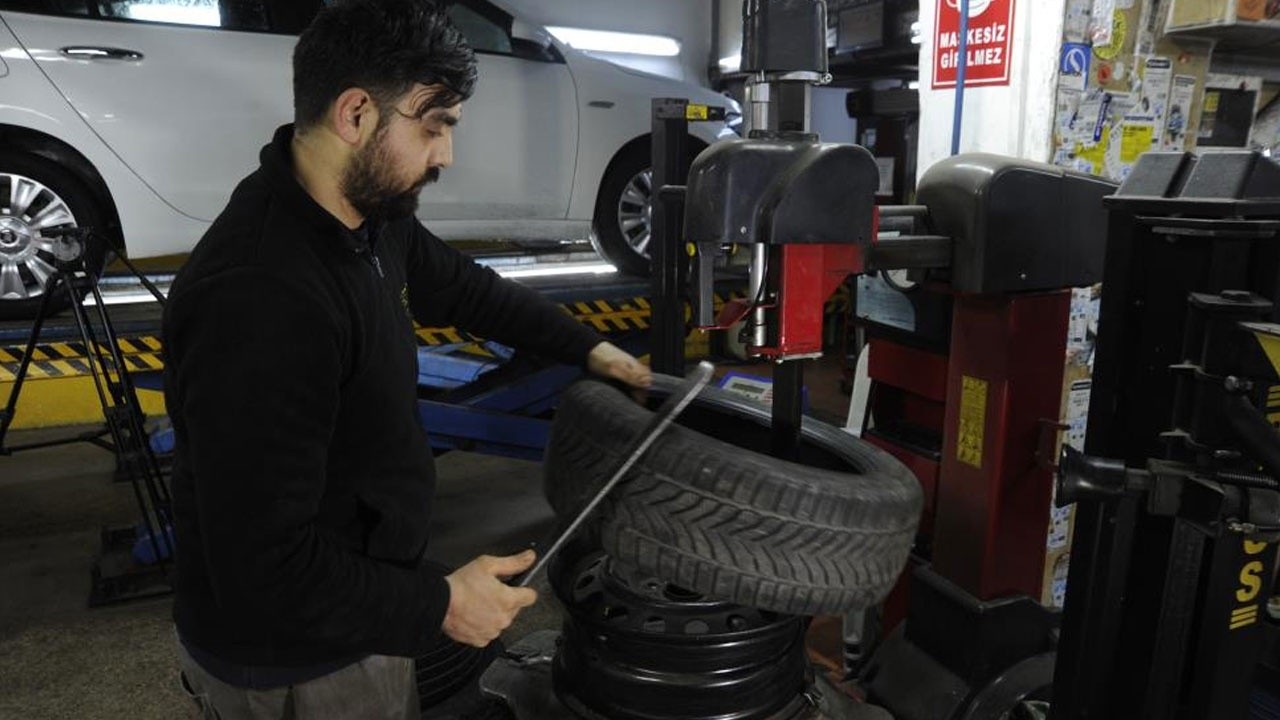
{"x": 530, "y": 33}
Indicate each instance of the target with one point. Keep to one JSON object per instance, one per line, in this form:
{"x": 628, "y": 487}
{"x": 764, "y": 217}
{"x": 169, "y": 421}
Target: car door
{"x": 185, "y": 92}
{"x": 516, "y": 148}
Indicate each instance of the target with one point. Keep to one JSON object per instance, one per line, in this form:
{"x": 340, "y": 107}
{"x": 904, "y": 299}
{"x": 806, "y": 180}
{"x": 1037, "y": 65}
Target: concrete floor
{"x": 59, "y": 659}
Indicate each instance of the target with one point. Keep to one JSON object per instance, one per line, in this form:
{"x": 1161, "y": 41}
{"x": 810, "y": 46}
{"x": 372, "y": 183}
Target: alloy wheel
{"x": 28, "y": 209}
{"x": 635, "y": 212}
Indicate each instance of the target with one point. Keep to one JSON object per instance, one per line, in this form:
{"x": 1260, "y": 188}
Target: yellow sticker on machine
{"x": 696, "y": 112}
{"x": 1270, "y": 346}
{"x": 973, "y": 420}
{"x": 1273, "y": 406}
{"x": 1252, "y": 571}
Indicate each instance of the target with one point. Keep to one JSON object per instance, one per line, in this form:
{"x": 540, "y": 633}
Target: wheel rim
{"x": 635, "y": 212}
{"x": 28, "y": 209}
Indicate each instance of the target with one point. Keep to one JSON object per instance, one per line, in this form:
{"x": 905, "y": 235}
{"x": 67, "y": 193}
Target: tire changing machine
{"x": 805, "y": 208}
{"x": 1174, "y": 549}
{"x": 806, "y": 211}
{"x": 999, "y": 243}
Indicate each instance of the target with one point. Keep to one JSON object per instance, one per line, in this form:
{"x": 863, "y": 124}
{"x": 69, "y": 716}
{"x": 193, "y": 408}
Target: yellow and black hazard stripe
{"x": 142, "y": 353}
{"x": 70, "y": 359}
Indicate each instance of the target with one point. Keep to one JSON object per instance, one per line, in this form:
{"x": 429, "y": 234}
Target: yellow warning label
{"x": 973, "y": 420}
{"x": 1251, "y": 574}
{"x": 1135, "y": 139}
{"x": 1273, "y": 406}
{"x": 1095, "y": 155}
{"x": 1271, "y": 346}
{"x": 696, "y": 112}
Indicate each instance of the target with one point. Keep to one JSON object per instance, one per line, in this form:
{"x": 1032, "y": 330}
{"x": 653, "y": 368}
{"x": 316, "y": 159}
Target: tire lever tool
{"x": 662, "y": 418}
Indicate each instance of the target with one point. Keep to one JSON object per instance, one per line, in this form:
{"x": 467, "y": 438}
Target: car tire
{"x": 629, "y": 178}
{"x": 826, "y": 535}
{"x": 45, "y": 187}
{"x": 608, "y": 236}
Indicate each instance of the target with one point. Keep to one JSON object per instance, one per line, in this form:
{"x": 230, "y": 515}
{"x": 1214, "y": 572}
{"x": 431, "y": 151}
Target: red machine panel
{"x": 810, "y": 274}
{"x": 1004, "y": 391}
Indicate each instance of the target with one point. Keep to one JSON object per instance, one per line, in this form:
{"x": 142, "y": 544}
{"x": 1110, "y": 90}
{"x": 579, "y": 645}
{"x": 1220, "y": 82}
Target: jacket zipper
{"x": 374, "y": 261}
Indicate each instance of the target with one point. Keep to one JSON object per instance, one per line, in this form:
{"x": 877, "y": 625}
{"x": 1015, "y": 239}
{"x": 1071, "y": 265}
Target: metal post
{"x": 670, "y": 168}
{"x": 788, "y": 408}
{"x": 1100, "y": 554}
{"x": 962, "y": 71}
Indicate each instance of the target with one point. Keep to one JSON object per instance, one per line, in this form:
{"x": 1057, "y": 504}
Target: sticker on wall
{"x": 1059, "y": 527}
{"x": 1073, "y": 66}
{"x": 1100, "y": 26}
{"x": 1058, "y": 588}
{"x": 1181, "y": 96}
{"x": 1157, "y": 78}
{"x": 990, "y": 41}
{"x": 1116, "y": 39}
{"x": 1075, "y": 26}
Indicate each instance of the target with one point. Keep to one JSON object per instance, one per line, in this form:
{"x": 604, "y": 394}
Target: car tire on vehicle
{"x": 620, "y": 229}
{"x": 37, "y": 195}
{"x": 704, "y": 510}
{"x": 622, "y": 225}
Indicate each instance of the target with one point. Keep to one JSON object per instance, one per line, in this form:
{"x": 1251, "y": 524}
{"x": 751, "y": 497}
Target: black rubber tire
{"x": 84, "y": 208}
{"x": 449, "y": 675}
{"x": 706, "y": 511}
{"x": 606, "y": 236}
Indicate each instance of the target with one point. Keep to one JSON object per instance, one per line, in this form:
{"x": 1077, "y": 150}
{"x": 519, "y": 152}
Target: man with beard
{"x": 302, "y": 480}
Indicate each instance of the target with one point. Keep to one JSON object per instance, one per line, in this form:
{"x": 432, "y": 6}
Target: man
{"x": 302, "y": 479}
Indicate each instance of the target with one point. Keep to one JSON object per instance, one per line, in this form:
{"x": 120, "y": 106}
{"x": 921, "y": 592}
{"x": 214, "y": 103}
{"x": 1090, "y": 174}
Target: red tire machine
{"x": 972, "y": 405}
{"x": 972, "y": 408}
{"x": 967, "y": 365}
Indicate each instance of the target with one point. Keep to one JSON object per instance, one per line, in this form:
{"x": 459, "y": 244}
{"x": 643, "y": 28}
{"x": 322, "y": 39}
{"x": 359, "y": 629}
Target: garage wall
{"x": 1014, "y": 120}
{"x": 688, "y": 21}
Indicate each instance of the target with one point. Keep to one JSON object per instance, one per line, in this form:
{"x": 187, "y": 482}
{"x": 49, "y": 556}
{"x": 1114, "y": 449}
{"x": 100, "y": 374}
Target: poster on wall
{"x": 990, "y": 41}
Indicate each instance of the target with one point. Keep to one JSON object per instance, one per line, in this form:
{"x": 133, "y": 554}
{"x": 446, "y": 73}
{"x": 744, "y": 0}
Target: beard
{"x": 371, "y": 187}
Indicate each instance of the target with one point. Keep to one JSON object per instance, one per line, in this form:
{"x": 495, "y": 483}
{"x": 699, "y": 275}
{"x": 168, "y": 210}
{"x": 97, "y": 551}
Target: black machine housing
{"x": 1175, "y": 532}
{"x": 777, "y": 190}
{"x": 1017, "y": 225}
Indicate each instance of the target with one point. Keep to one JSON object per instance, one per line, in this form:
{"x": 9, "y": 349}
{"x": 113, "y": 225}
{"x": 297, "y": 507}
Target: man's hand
{"x": 609, "y": 360}
{"x": 481, "y": 606}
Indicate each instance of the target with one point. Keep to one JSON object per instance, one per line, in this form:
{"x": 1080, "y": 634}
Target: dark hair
{"x": 384, "y": 47}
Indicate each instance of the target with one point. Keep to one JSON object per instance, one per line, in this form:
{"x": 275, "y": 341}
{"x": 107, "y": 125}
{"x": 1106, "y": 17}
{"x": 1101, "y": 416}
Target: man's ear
{"x": 354, "y": 115}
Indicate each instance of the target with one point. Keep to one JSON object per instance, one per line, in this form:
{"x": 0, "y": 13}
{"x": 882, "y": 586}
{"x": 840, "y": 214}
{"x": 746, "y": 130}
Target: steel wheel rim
{"x": 28, "y": 208}
{"x": 635, "y": 212}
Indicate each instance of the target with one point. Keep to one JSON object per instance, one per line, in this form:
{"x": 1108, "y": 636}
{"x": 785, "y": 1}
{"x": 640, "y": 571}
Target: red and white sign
{"x": 990, "y": 40}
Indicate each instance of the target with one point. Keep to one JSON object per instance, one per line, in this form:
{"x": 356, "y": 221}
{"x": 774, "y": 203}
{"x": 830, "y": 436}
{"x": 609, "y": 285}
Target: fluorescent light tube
{"x": 616, "y": 42}
{"x": 560, "y": 270}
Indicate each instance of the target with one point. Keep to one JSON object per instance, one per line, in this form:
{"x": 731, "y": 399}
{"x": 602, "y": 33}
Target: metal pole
{"x": 670, "y": 168}
{"x": 788, "y": 408}
{"x": 962, "y": 71}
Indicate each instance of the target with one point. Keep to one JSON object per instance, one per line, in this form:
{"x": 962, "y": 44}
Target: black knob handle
{"x": 1083, "y": 477}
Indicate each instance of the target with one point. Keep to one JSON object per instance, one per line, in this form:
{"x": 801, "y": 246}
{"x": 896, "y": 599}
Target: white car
{"x": 139, "y": 118}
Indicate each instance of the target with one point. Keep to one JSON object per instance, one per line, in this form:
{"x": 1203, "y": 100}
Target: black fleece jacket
{"x": 302, "y": 479}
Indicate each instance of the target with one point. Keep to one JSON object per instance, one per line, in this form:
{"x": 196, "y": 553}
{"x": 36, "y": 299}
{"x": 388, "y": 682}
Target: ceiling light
{"x": 616, "y": 42}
